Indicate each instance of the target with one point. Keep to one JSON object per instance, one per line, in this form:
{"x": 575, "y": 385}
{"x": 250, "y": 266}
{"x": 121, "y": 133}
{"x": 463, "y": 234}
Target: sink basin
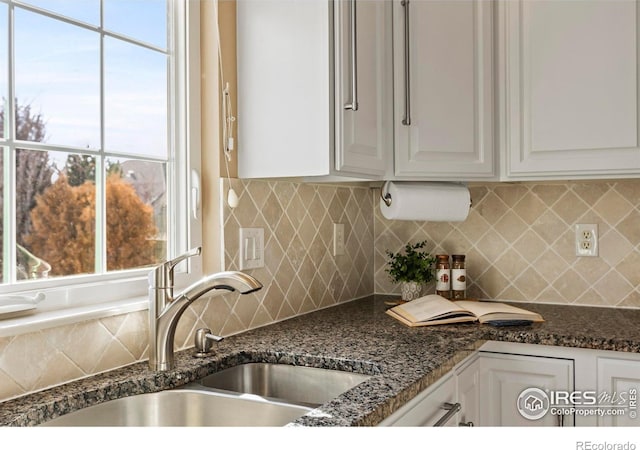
{"x": 183, "y": 407}
{"x": 292, "y": 384}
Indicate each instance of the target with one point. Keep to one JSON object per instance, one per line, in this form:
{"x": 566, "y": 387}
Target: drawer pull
{"x": 452, "y": 409}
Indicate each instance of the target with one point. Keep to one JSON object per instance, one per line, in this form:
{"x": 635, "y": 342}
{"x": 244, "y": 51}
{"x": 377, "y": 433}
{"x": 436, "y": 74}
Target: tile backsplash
{"x": 518, "y": 239}
{"x": 519, "y": 242}
{"x": 301, "y": 275}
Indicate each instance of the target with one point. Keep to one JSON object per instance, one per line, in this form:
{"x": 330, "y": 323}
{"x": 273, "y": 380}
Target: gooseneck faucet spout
{"x": 165, "y": 310}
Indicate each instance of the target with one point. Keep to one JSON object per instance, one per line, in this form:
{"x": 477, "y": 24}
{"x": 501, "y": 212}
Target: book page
{"x": 428, "y": 308}
{"x": 448, "y": 320}
{"x": 497, "y": 311}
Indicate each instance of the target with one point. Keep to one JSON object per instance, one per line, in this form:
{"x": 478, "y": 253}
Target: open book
{"x": 436, "y": 310}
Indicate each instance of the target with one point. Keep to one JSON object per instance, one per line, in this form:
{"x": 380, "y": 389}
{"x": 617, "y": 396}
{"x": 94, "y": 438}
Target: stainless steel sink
{"x": 292, "y": 384}
{"x": 183, "y": 407}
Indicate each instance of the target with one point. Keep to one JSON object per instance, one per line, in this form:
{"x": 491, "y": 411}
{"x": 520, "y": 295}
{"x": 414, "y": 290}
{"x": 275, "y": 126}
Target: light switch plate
{"x": 338, "y": 239}
{"x": 251, "y": 251}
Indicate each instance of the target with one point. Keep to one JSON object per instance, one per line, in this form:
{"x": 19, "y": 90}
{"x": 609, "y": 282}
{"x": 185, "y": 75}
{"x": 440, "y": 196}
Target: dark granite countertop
{"x": 356, "y": 336}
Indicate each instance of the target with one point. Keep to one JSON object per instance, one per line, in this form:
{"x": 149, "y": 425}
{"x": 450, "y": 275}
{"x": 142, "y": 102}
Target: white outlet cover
{"x": 586, "y": 246}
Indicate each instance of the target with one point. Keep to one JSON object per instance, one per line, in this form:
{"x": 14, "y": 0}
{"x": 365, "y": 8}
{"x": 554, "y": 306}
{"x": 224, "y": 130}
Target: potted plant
{"x": 412, "y": 269}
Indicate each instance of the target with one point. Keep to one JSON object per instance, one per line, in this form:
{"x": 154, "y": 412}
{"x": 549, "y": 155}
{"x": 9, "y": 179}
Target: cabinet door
{"x": 363, "y": 86}
{"x": 619, "y": 380}
{"x": 284, "y": 96}
{"x": 569, "y": 71}
{"x": 468, "y": 379}
{"x": 443, "y": 85}
{"x": 425, "y": 409}
{"x": 503, "y": 378}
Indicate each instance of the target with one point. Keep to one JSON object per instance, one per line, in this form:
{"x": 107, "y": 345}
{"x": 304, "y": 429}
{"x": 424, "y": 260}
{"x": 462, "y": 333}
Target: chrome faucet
{"x": 165, "y": 310}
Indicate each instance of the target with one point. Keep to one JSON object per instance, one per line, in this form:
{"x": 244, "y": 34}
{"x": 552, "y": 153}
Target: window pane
{"x": 55, "y": 214}
{"x": 58, "y": 81}
{"x": 143, "y": 20}
{"x": 136, "y": 213}
{"x": 135, "y": 99}
{"x": 83, "y": 10}
{"x": 4, "y": 67}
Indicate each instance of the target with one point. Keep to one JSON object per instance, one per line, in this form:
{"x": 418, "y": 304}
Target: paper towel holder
{"x": 387, "y": 199}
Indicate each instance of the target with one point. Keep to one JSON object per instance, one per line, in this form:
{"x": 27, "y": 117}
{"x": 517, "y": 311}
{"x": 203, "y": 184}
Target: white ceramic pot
{"x": 411, "y": 290}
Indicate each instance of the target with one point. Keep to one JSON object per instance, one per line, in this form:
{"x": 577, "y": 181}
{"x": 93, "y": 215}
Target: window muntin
{"x": 165, "y": 165}
{"x": 4, "y": 66}
{"x": 82, "y": 10}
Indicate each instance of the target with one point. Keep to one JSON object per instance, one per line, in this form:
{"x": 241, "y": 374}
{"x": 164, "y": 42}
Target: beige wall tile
{"x": 9, "y": 388}
{"x": 527, "y": 250}
{"x": 518, "y": 241}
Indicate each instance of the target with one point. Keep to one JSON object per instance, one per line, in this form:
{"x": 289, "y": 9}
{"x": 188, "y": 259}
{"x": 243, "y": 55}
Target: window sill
{"x": 49, "y": 319}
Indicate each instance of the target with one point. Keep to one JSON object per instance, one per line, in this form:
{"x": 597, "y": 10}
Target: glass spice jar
{"x": 458, "y": 278}
{"x": 443, "y": 276}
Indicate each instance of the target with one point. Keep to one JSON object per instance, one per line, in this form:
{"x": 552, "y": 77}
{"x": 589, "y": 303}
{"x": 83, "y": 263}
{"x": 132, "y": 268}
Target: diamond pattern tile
{"x": 519, "y": 242}
{"x": 303, "y": 273}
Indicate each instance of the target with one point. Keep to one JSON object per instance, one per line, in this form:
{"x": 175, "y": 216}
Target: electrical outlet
{"x": 338, "y": 239}
{"x": 587, "y": 239}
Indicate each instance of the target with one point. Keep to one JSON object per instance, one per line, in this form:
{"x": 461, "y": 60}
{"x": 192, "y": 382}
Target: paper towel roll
{"x": 427, "y": 201}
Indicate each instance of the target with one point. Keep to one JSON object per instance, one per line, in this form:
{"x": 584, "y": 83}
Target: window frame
{"x": 100, "y": 295}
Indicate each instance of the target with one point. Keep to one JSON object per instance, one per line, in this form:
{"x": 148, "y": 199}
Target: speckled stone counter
{"x": 356, "y": 336}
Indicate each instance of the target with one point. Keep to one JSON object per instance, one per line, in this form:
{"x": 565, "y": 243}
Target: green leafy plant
{"x": 413, "y": 265}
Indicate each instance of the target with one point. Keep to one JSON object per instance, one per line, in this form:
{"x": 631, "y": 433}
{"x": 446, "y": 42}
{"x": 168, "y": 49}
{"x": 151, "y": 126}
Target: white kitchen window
{"x": 99, "y": 145}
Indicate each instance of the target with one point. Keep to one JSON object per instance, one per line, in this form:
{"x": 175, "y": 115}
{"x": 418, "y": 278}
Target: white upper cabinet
{"x": 569, "y": 88}
{"x": 300, "y": 65}
{"x": 443, "y": 89}
{"x": 438, "y": 89}
{"x": 364, "y": 98}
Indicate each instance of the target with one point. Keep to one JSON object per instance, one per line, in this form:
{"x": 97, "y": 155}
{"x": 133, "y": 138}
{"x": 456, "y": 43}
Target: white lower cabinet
{"x": 427, "y": 408}
{"x": 619, "y": 381}
{"x": 509, "y": 384}
{"x": 511, "y": 387}
{"x": 468, "y": 383}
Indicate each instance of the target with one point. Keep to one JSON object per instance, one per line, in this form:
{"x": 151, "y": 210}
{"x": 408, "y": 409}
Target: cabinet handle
{"x": 353, "y": 104}
{"x": 407, "y": 78}
{"x": 452, "y": 409}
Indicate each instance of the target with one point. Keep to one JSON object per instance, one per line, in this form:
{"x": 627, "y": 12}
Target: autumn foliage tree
{"x": 63, "y": 227}
{"x": 55, "y": 221}
{"x": 130, "y": 226}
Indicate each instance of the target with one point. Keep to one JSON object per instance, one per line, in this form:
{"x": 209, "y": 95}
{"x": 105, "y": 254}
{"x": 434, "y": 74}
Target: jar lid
{"x": 443, "y": 257}
{"x": 458, "y": 257}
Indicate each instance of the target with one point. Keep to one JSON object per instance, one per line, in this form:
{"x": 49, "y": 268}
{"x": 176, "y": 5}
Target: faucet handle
{"x": 162, "y": 276}
{"x": 178, "y": 259}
